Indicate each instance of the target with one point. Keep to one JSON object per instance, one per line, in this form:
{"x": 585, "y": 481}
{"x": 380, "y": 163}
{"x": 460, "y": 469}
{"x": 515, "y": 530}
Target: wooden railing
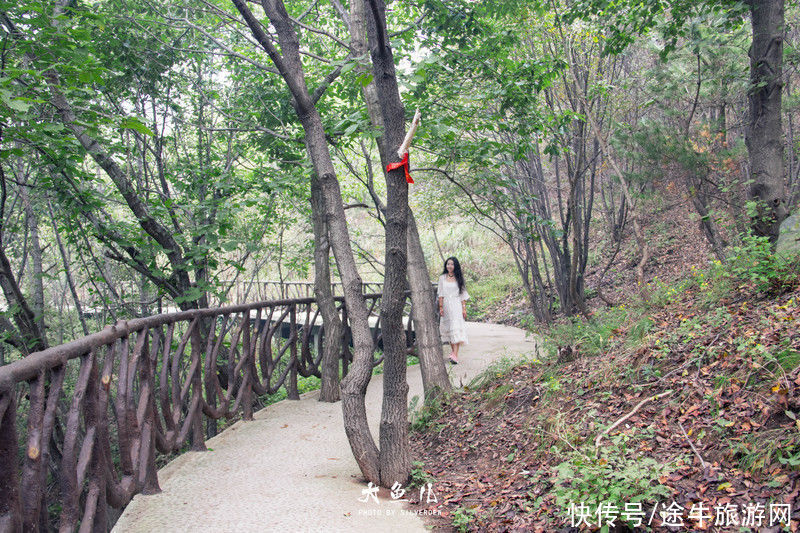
{"x": 81, "y": 424}
{"x": 242, "y": 291}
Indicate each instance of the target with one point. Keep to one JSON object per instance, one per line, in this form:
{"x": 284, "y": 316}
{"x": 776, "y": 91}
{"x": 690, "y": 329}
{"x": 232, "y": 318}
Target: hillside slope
{"x": 693, "y": 401}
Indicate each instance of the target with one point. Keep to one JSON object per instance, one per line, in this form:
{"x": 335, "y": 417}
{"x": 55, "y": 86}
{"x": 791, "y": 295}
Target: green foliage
{"x": 758, "y": 452}
{"x": 421, "y": 419}
{"x": 754, "y": 261}
{"x": 419, "y": 476}
{"x": 487, "y": 292}
{"x": 788, "y": 359}
{"x": 140, "y": 89}
{"x": 498, "y": 368}
{"x": 304, "y": 384}
{"x": 625, "y": 20}
{"x": 462, "y": 517}
{"x": 595, "y": 336}
{"x": 639, "y": 330}
{"x": 751, "y": 266}
{"x": 612, "y": 477}
{"x": 378, "y": 369}
{"x": 495, "y": 396}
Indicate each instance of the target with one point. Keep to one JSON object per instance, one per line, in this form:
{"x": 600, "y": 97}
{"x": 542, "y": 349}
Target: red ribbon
{"x": 404, "y": 164}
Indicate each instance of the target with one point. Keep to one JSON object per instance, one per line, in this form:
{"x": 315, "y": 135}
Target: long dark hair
{"x": 456, "y": 272}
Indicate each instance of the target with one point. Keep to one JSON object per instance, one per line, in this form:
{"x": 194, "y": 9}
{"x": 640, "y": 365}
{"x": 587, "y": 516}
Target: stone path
{"x": 291, "y": 468}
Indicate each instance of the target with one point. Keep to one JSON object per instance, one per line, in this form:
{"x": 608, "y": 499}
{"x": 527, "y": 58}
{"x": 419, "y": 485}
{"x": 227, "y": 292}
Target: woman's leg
{"x": 455, "y": 350}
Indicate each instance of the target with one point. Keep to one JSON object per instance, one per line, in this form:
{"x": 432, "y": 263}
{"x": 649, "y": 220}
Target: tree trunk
{"x": 332, "y": 325}
{"x": 354, "y": 386}
{"x": 764, "y": 133}
{"x": 638, "y": 231}
{"x": 36, "y": 259}
{"x": 68, "y": 274}
{"x": 30, "y": 337}
{"x": 426, "y": 319}
{"x": 395, "y": 456}
{"x": 710, "y": 230}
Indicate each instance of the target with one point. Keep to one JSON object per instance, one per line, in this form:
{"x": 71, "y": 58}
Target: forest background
{"x": 213, "y": 186}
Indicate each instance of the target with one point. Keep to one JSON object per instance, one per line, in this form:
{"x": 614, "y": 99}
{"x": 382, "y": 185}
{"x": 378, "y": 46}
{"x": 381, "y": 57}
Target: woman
{"x": 452, "y": 307}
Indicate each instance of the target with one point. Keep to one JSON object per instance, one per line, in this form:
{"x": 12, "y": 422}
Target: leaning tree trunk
{"x": 332, "y": 324}
{"x": 426, "y": 320}
{"x": 764, "y": 133}
{"x": 696, "y": 190}
{"x": 354, "y": 386}
{"x": 31, "y": 337}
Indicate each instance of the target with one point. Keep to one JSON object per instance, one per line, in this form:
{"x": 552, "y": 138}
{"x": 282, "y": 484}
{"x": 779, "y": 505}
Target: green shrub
{"x": 595, "y": 336}
{"x": 422, "y": 418}
{"x": 462, "y": 517}
{"x": 753, "y": 261}
{"x": 611, "y": 478}
{"x": 419, "y": 476}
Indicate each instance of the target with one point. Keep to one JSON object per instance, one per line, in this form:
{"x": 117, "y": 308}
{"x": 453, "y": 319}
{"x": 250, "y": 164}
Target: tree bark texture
{"x": 36, "y": 259}
{"x": 10, "y": 507}
{"x": 331, "y": 324}
{"x": 697, "y": 193}
{"x": 395, "y": 456}
{"x": 425, "y": 317}
{"x": 764, "y": 135}
{"x": 31, "y": 337}
{"x": 638, "y": 231}
{"x": 354, "y": 386}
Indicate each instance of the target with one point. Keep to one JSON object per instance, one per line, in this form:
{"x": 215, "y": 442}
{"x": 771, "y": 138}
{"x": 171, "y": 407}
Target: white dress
{"x": 452, "y": 327}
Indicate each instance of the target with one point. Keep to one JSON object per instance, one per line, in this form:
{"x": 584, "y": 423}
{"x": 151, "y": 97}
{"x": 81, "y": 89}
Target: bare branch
{"x": 337, "y": 5}
{"x": 318, "y": 31}
{"x": 307, "y": 11}
{"x": 413, "y": 26}
{"x": 330, "y": 78}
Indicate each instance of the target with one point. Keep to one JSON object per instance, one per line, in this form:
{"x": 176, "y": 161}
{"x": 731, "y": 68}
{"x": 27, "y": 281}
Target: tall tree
{"x": 510, "y": 136}
{"x": 395, "y": 457}
{"x": 765, "y": 132}
{"x": 42, "y": 46}
{"x": 286, "y": 57}
{"x": 764, "y": 136}
{"x": 426, "y": 324}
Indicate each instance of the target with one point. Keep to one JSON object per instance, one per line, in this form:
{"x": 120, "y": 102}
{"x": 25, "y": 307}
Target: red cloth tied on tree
{"x": 404, "y": 164}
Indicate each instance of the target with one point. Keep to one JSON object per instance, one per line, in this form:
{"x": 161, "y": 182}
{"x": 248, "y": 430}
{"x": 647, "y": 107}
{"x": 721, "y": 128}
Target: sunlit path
{"x": 291, "y": 468}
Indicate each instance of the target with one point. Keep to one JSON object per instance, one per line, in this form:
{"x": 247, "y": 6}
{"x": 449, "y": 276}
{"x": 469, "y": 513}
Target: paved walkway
{"x": 291, "y": 468}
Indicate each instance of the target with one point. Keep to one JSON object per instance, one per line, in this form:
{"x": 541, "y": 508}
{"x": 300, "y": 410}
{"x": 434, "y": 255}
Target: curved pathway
{"x": 291, "y": 468}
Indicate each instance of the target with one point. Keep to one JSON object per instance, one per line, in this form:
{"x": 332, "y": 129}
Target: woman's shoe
{"x": 453, "y": 361}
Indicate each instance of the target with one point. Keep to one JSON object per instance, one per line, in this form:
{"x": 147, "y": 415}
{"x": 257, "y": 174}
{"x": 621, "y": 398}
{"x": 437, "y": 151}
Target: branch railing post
{"x": 247, "y": 399}
{"x": 291, "y": 386}
{"x": 148, "y": 477}
{"x": 142, "y": 387}
{"x": 198, "y": 438}
{"x": 10, "y": 505}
